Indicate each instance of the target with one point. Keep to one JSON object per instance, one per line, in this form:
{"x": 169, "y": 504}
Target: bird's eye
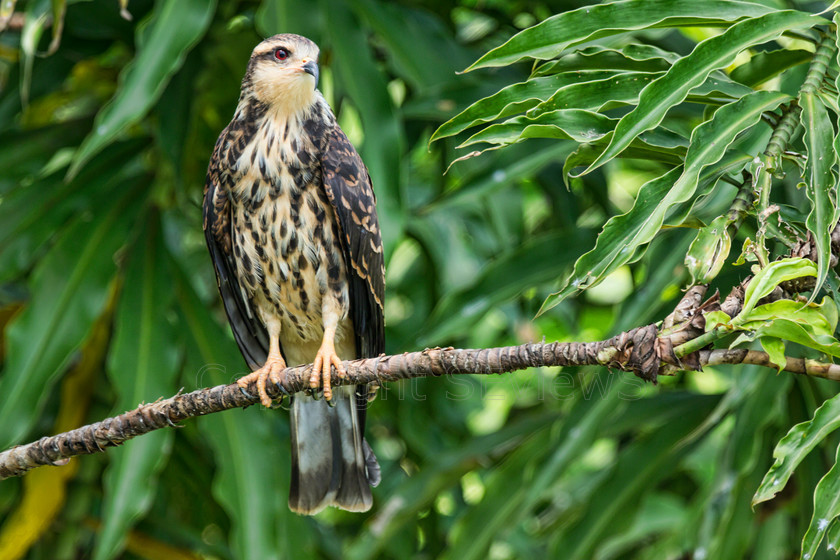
{"x": 281, "y": 54}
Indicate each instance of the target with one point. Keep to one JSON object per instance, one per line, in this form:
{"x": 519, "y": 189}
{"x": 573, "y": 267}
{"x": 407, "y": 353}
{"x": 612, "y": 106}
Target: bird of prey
{"x": 290, "y": 221}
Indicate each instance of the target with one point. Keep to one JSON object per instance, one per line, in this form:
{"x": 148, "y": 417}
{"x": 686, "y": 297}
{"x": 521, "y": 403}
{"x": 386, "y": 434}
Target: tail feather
{"x": 331, "y": 462}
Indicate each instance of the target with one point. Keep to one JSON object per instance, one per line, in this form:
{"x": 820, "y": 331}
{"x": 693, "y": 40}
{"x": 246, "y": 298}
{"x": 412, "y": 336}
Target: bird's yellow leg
{"x": 325, "y": 359}
{"x": 274, "y": 366}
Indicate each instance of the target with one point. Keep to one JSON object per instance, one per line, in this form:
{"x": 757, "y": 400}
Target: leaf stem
{"x": 700, "y": 342}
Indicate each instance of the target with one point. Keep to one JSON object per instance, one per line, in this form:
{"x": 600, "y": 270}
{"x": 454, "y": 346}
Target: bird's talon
{"x": 244, "y": 392}
{"x": 274, "y": 364}
{"x": 279, "y": 385}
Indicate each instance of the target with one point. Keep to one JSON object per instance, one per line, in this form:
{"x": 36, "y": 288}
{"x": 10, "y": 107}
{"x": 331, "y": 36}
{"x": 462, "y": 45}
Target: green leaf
{"x": 836, "y": 21}
{"x": 279, "y": 16}
{"x": 575, "y": 124}
{"x": 766, "y": 65}
{"x": 821, "y": 319}
{"x": 630, "y": 58}
{"x": 554, "y": 35}
{"x": 505, "y": 169}
{"x": 26, "y": 152}
{"x": 826, "y": 509}
{"x": 833, "y": 538}
{"x": 775, "y": 349}
{"x": 535, "y": 467}
{"x": 401, "y": 28}
{"x": 176, "y": 27}
{"x": 691, "y": 71}
{"x": 59, "y": 8}
{"x": 793, "y": 448}
{"x": 142, "y": 365}
{"x": 670, "y": 155}
{"x": 716, "y": 319}
{"x": 771, "y": 276}
{"x": 616, "y": 90}
{"x": 544, "y": 257}
{"x": 34, "y": 214}
{"x": 419, "y": 492}
{"x": 37, "y": 18}
{"x": 513, "y": 99}
{"x": 709, "y": 251}
{"x": 754, "y": 404}
{"x": 70, "y": 286}
{"x": 820, "y": 181}
{"x": 800, "y": 333}
{"x": 638, "y": 467}
{"x": 622, "y": 235}
{"x": 618, "y": 240}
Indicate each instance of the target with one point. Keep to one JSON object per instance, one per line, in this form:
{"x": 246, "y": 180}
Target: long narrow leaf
{"x": 176, "y": 28}
{"x": 142, "y": 368}
{"x": 420, "y": 491}
{"x": 691, "y": 71}
{"x": 630, "y": 58}
{"x": 771, "y": 276}
{"x": 639, "y": 466}
{"x": 792, "y": 449}
{"x": 575, "y": 124}
{"x": 820, "y": 181}
{"x": 595, "y": 94}
{"x": 513, "y": 99}
{"x": 551, "y": 37}
{"x": 544, "y": 257}
{"x": 622, "y": 235}
{"x": 826, "y": 509}
{"x": 766, "y": 65}
{"x": 503, "y": 507}
{"x": 72, "y": 283}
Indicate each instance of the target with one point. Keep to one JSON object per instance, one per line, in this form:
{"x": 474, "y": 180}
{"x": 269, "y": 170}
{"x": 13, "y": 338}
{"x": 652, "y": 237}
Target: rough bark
{"x": 641, "y": 351}
{"x": 631, "y": 351}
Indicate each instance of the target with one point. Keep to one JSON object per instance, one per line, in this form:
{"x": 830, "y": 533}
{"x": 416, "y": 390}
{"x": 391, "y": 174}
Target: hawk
{"x": 290, "y": 222}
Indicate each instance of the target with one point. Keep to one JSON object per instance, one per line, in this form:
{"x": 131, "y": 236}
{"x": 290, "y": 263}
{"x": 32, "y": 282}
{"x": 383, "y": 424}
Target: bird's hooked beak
{"x": 311, "y": 68}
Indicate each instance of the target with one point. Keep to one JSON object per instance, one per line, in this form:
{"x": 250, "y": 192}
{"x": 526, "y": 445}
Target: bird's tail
{"x": 332, "y": 464}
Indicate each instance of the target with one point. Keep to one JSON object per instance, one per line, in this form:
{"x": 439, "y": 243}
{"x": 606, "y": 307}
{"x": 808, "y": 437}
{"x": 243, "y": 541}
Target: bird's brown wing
{"x": 349, "y": 190}
{"x": 248, "y": 330}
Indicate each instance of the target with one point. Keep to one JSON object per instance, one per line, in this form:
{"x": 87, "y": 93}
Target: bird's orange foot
{"x": 272, "y": 370}
{"x": 324, "y": 360}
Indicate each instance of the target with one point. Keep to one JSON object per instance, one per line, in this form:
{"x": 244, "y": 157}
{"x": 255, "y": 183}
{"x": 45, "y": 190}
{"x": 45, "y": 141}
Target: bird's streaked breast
{"x": 285, "y": 233}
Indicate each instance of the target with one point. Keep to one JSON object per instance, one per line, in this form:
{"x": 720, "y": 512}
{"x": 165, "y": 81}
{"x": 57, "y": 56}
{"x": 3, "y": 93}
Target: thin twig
{"x": 801, "y": 366}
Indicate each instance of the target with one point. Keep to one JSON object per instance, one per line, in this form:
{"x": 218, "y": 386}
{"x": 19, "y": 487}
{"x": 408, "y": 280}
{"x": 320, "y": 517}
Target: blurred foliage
{"x": 107, "y": 296}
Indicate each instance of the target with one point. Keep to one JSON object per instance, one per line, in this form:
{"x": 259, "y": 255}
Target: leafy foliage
{"x": 733, "y": 123}
{"x": 656, "y": 115}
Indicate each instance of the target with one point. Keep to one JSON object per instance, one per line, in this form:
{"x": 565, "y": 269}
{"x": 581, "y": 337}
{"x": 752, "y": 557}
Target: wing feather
{"x": 248, "y": 330}
{"x": 348, "y": 187}
{"x": 350, "y": 193}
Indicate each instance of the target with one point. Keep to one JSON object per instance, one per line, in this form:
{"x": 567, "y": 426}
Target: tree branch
{"x": 640, "y": 351}
{"x": 623, "y": 352}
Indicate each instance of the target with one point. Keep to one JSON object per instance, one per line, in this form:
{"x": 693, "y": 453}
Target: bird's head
{"x": 283, "y": 72}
